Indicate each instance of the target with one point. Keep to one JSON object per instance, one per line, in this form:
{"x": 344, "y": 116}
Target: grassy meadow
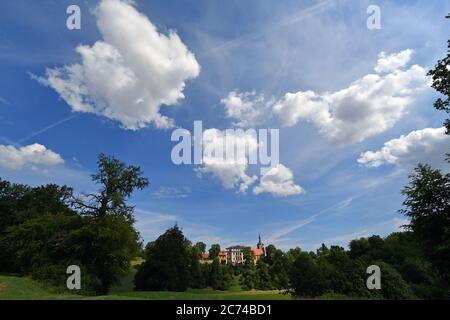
{"x": 24, "y": 288}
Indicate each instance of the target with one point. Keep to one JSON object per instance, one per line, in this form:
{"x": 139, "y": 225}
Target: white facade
{"x": 235, "y": 255}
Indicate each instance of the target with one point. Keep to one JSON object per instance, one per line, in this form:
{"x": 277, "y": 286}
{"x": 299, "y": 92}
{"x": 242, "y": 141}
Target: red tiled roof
{"x": 258, "y": 252}
{"x": 222, "y": 253}
{"x": 205, "y": 256}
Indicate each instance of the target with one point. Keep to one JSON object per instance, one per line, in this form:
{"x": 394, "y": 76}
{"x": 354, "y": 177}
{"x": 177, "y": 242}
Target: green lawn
{"x": 204, "y": 294}
{"x": 23, "y": 288}
{"x": 19, "y": 288}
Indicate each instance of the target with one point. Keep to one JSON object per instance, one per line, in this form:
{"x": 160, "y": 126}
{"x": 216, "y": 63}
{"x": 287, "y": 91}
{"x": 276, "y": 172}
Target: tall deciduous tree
{"x": 427, "y": 204}
{"x": 167, "y": 263}
{"x": 200, "y": 246}
{"x": 249, "y": 257}
{"x": 220, "y": 276}
{"x": 214, "y": 251}
{"x": 117, "y": 182}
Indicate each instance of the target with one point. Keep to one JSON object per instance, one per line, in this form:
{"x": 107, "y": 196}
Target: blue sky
{"x": 258, "y": 50}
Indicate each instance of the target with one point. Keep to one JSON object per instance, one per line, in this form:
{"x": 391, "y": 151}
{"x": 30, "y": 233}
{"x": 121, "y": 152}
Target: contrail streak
{"x": 299, "y": 16}
{"x": 36, "y": 133}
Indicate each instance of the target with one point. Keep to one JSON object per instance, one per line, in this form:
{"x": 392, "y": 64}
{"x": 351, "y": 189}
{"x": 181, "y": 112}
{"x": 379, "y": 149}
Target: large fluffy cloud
{"x": 34, "y": 154}
{"x": 129, "y": 74}
{"x": 424, "y": 146}
{"x": 246, "y": 109}
{"x": 231, "y": 168}
{"x": 278, "y": 181}
{"x": 369, "y": 106}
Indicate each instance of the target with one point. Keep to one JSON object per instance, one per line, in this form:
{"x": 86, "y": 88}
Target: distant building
{"x": 205, "y": 258}
{"x": 234, "y": 255}
{"x": 222, "y": 256}
{"x": 259, "y": 251}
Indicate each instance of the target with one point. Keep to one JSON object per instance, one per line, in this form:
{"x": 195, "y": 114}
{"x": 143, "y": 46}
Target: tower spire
{"x": 260, "y": 245}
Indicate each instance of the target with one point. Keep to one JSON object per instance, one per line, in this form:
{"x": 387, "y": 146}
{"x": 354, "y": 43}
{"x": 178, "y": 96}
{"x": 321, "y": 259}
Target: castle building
{"x": 234, "y": 255}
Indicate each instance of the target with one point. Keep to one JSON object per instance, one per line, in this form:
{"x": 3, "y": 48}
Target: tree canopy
{"x": 117, "y": 182}
{"x": 441, "y": 82}
{"x": 45, "y": 229}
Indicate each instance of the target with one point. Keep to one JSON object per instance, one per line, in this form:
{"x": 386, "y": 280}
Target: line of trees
{"x": 172, "y": 264}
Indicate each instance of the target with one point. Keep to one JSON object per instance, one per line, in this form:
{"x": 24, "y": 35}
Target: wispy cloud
{"x": 282, "y": 232}
{"x": 206, "y": 233}
{"x": 291, "y": 226}
{"x": 171, "y": 193}
{"x": 296, "y": 17}
{"x": 4, "y": 101}
{"x": 389, "y": 226}
{"x": 345, "y": 203}
{"x": 8, "y": 141}
{"x": 152, "y": 224}
{"x": 385, "y": 227}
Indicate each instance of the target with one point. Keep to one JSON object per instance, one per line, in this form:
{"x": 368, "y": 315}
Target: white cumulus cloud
{"x": 421, "y": 146}
{"x": 247, "y": 109}
{"x": 278, "y": 181}
{"x": 391, "y": 62}
{"x": 230, "y": 170}
{"x": 369, "y": 106}
{"x": 32, "y": 155}
{"x": 129, "y": 74}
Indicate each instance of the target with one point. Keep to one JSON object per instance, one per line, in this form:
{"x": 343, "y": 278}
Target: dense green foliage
{"x": 200, "y": 247}
{"x": 172, "y": 264}
{"x": 270, "y": 273}
{"x": 20, "y": 203}
{"x": 214, "y": 251}
{"x": 42, "y": 232}
{"x": 220, "y": 275}
{"x": 441, "y": 82}
{"x": 166, "y": 266}
{"x": 427, "y": 204}
{"x": 406, "y": 272}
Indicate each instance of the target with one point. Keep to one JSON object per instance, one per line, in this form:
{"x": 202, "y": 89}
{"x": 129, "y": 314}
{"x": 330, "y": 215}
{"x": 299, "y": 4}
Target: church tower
{"x": 260, "y": 245}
